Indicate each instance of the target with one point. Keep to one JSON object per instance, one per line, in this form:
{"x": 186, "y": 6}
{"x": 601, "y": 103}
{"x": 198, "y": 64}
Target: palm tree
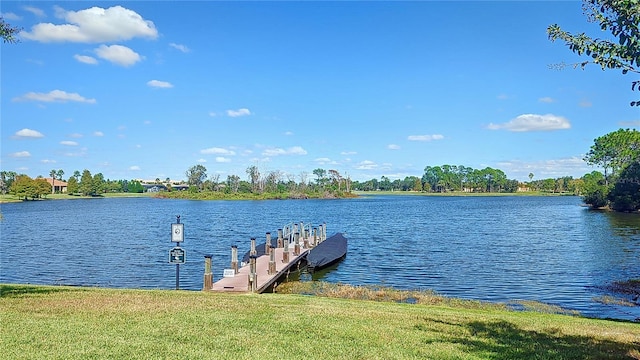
{"x": 53, "y": 174}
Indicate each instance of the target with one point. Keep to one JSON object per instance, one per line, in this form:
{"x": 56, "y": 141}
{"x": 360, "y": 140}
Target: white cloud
{"x": 202, "y": 160}
{"x": 239, "y": 112}
{"x": 11, "y": 16}
{"x": 118, "y": 54}
{"x": 547, "y": 100}
{"x": 180, "y": 47}
{"x": 20, "y": 154}
{"x": 54, "y": 96}
{"x": 220, "y": 159}
{"x": 425, "y": 137}
{"x": 134, "y": 168}
{"x": 296, "y": 150}
{"x": 217, "y": 151}
{"x": 75, "y": 135}
{"x": 288, "y": 133}
{"x": 85, "y": 59}
{"x": 35, "y": 11}
{"x": 159, "y": 84}
{"x": 393, "y": 147}
{"x": 98, "y": 133}
{"x": 347, "y": 153}
{"x": 533, "y": 122}
{"x": 543, "y": 169}
{"x": 68, "y": 143}
{"x": 47, "y": 161}
{"x": 94, "y": 25}
{"x": 28, "y": 133}
{"x": 322, "y": 161}
{"x": 366, "y": 165}
{"x": 635, "y": 123}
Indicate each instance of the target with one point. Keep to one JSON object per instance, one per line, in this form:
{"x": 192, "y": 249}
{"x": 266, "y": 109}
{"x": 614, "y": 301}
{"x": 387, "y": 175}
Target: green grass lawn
{"x": 78, "y": 323}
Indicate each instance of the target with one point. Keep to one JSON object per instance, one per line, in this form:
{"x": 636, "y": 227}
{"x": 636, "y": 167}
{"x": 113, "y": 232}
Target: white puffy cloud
{"x": 366, "y": 165}
{"x": 180, "y": 47}
{"x": 20, "y": 154}
{"x": 393, "y": 147}
{"x": 118, "y": 54}
{"x": 159, "y": 84}
{"x": 296, "y": 150}
{"x": 98, "y": 133}
{"x": 93, "y": 25}
{"x": 221, "y": 159}
{"x": 134, "y": 168}
{"x": 68, "y": 143}
{"x": 28, "y": 133}
{"x": 217, "y": 151}
{"x": 239, "y": 112}
{"x": 533, "y": 122}
{"x": 54, "y": 96}
{"x": 86, "y": 59}
{"x": 425, "y": 137}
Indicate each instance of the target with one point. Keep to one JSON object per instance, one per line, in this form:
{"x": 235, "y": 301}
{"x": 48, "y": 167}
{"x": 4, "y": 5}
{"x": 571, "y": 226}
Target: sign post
{"x": 177, "y": 255}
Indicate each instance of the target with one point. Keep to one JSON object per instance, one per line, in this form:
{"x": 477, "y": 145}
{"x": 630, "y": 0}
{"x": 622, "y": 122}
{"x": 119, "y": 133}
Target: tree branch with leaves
{"x": 622, "y": 19}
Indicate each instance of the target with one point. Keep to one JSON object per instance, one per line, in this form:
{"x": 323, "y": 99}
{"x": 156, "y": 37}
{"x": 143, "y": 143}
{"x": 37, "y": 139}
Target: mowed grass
{"x": 82, "y": 323}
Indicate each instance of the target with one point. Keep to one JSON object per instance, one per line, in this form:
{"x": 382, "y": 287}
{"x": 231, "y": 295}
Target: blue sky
{"x": 147, "y": 89}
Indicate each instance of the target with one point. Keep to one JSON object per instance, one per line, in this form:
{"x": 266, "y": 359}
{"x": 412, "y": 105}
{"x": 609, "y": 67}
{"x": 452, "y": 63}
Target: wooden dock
{"x": 240, "y": 282}
{"x": 269, "y": 268}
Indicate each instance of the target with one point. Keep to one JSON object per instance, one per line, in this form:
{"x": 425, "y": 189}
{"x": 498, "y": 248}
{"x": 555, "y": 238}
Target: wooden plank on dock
{"x": 239, "y": 283}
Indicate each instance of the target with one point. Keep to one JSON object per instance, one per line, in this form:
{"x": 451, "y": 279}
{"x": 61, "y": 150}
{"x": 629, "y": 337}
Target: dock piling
{"x": 279, "y": 238}
{"x": 253, "y": 247}
{"x": 272, "y": 260}
{"x": 208, "y": 275}
{"x": 285, "y": 252}
{"x": 267, "y": 245}
{"x": 234, "y": 258}
{"x": 253, "y": 276}
{"x": 296, "y": 244}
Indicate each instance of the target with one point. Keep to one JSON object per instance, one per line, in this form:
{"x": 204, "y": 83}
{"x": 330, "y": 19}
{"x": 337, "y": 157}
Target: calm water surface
{"x": 548, "y": 249}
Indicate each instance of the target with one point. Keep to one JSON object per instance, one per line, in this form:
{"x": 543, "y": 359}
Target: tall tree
{"x": 86, "y": 183}
{"x": 254, "y": 177}
{"x": 196, "y": 175}
{"x": 53, "y": 174}
{"x": 614, "y": 151}
{"x": 622, "y": 19}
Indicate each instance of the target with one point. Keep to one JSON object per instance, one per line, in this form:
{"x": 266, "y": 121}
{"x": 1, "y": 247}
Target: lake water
{"x": 548, "y": 249}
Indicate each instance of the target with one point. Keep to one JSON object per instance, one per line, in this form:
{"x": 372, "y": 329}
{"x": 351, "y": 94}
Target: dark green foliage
{"x": 8, "y": 32}
{"x": 625, "y": 195}
{"x": 595, "y": 190}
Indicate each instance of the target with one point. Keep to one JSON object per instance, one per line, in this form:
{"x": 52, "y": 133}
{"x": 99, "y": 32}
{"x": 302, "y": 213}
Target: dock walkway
{"x": 240, "y": 282}
{"x": 294, "y": 238}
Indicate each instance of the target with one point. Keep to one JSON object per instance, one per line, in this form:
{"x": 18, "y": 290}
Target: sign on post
{"x": 177, "y": 255}
{"x": 177, "y": 233}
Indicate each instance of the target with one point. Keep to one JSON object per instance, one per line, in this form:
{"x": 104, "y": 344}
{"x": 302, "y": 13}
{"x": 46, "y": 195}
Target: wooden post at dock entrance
{"x": 208, "y": 275}
{"x": 315, "y": 236}
{"x": 253, "y": 276}
{"x": 234, "y": 258}
{"x": 279, "y": 238}
{"x": 272, "y": 260}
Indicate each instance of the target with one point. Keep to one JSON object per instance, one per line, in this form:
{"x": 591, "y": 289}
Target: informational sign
{"x": 177, "y": 255}
{"x": 229, "y": 273}
{"x": 177, "y": 233}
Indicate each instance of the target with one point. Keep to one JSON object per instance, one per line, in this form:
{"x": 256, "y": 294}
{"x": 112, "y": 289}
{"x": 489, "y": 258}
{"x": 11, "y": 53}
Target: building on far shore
{"x": 57, "y": 186}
